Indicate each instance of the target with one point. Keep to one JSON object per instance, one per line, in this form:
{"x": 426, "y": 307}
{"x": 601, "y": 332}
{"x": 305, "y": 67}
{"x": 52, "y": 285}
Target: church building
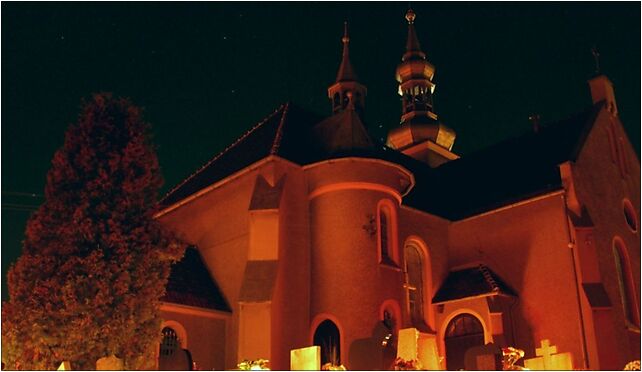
{"x": 307, "y": 231}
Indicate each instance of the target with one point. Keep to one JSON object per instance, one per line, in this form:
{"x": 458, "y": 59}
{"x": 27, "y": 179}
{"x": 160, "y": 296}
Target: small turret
{"x": 347, "y": 92}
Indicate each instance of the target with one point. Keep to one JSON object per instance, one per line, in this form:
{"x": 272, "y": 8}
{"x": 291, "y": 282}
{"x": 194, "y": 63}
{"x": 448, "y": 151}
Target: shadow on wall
{"x": 370, "y": 354}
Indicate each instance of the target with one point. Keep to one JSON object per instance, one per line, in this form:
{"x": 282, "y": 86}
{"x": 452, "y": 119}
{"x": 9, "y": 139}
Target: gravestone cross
{"x": 546, "y": 352}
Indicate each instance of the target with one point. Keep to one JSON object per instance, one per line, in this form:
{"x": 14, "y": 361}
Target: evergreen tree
{"x": 94, "y": 261}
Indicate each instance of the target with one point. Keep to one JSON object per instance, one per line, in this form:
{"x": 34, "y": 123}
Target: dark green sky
{"x": 206, "y": 72}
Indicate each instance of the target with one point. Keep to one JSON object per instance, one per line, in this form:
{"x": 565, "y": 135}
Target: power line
{"x": 19, "y": 207}
{"x": 20, "y": 193}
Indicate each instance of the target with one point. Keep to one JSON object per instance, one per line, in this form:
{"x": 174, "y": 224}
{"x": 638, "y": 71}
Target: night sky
{"x": 207, "y": 72}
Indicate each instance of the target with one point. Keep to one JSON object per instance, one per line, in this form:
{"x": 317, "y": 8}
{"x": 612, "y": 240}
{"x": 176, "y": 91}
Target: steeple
{"x": 420, "y": 134}
{"x": 414, "y": 75}
{"x": 347, "y": 92}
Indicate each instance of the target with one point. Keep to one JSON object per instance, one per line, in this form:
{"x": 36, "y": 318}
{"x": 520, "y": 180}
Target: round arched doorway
{"x": 327, "y": 337}
{"x": 463, "y": 332}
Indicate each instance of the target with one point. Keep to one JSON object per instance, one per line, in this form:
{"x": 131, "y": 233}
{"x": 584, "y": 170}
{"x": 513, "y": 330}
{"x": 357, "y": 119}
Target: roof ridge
{"x": 279, "y": 130}
{"x": 238, "y": 140}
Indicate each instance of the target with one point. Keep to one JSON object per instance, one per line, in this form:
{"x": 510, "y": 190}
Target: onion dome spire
{"x": 347, "y": 92}
{"x": 414, "y": 75}
{"x": 421, "y": 134}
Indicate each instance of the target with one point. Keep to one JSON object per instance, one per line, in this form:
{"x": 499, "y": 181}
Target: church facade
{"x": 307, "y": 232}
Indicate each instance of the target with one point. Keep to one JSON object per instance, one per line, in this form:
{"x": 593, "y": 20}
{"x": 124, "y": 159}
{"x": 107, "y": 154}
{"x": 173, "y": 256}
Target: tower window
{"x": 386, "y": 232}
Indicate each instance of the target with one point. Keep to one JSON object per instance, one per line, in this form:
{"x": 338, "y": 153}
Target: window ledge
{"x": 389, "y": 264}
{"x": 632, "y": 327}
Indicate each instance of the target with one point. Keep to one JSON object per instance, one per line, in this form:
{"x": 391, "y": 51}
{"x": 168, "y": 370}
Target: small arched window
{"x": 630, "y": 216}
{"x": 386, "y": 226}
{"x": 170, "y": 342}
{"x": 628, "y": 293}
{"x": 336, "y": 100}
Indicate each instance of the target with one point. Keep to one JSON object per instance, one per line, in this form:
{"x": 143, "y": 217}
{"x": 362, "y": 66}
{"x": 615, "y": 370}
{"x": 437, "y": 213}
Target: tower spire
{"x": 413, "y": 49}
{"x": 346, "y": 72}
{"x": 347, "y": 92}
{"x": 414, "y": 75}
{"x": 420, "y": 134}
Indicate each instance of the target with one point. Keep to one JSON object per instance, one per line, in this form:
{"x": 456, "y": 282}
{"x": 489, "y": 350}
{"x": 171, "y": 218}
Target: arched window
{"x": 328, "y": 338}
{"x": 383, "y": 238}
{"x": 170, "y": 342}
{"x": 386, "y": 227}
{"x": 414, "y": 272}
{"x": 628, "y": 294}
{"x": 172, "y": 354}
{"x": 463, "y": 332}
{"x": 629, "y": 215}
{"x": 336, "y": 100}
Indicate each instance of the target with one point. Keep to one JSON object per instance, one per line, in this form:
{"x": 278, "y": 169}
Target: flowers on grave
{"x": 510, "y": 356}
{"x": 333, "y": 367}
{"x": 254, "y": 365}
{"x": 632, "y": 366}
{"x": 407, "y": 365}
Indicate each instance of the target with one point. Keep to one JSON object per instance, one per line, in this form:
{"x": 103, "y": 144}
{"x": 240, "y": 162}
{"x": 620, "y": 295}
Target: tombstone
{"x": 305, "y": 359}
{"x": 428, "y": 353}
{"x": 64, "y": 366}
{"x": 484, "y": 358}
{"x": 110, "y": 363}
{"x": 548, "y": 359}
{"x": 418, "y": 346}
{"x": 407, "y": 346}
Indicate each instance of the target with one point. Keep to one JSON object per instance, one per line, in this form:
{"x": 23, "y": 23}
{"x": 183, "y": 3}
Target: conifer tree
{"x": 94, "y": 261}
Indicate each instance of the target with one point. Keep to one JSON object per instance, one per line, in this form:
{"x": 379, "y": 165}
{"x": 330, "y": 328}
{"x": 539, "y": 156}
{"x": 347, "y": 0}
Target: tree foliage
{"x": 94, "y": 261}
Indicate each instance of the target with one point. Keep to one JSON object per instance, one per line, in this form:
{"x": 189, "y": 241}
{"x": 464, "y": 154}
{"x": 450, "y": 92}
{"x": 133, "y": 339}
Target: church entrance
{"x": 327, "y": 337}
{"x": 463, "y": 332}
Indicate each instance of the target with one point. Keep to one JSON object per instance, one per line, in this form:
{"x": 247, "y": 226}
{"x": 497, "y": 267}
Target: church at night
{"x": 307, "y": 231}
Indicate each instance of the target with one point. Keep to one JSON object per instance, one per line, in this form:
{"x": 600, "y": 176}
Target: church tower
{"x": 420, "y": 134}
{"x": 347, "y": 91}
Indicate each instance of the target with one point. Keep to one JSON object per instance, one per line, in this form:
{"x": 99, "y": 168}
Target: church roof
{"x": 504, "y": 173}
{"x": 190, "y": 284}
{"x": 275, "y": 135}
{"x": 501, "y": 174}
{"x": 471, "y": 282}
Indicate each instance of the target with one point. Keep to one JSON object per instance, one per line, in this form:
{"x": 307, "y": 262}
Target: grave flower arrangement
{"x": 407, "y": 365}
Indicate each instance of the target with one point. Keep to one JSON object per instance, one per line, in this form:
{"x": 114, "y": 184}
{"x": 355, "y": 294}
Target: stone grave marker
{"x": 64, "y": 366}
{"x": 548, "y": 359}
{"x": 110, "y": 363}
{"x": 305, "y": 359}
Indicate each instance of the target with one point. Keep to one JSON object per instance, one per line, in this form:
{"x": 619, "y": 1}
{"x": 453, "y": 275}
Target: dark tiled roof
{"x": 284, "y": 132}
{"x": 507, "y": 172}
{"x": 471, "y": 282}
{"x": 190, "y": 283}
